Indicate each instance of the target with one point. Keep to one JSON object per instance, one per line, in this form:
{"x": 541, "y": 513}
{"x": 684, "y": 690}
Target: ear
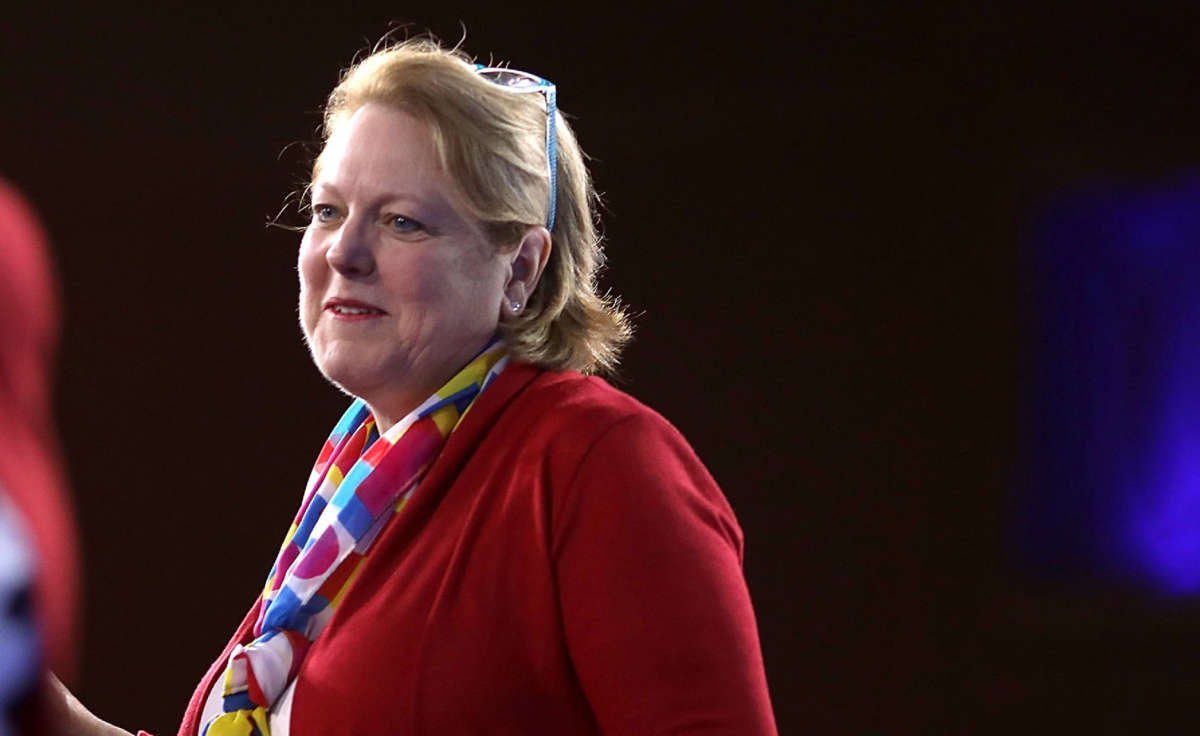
{"x": 526, "y": 263}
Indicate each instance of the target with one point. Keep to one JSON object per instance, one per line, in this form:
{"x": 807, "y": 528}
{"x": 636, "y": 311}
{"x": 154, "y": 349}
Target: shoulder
{"x": 565, "y": 408}
{"x": 574, "y": 392}
{"x": 606, "y": 454}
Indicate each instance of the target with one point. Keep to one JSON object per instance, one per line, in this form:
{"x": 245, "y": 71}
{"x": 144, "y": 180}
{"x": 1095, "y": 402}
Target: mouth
{"x": 352, "y": 309}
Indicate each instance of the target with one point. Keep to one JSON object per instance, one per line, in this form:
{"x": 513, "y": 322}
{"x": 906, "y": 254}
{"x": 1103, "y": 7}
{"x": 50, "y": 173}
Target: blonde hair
{"x": 492, "y": 143}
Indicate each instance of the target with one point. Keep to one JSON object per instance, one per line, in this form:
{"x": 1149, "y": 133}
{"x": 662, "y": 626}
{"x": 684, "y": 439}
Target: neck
{"x": 387, "y": 417}
{"x": 389, "y": 407}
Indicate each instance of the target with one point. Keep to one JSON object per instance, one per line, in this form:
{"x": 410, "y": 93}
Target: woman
{"x": 491, "y": 541}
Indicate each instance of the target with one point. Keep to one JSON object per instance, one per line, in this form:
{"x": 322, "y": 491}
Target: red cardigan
{"x": 566, "y": 567}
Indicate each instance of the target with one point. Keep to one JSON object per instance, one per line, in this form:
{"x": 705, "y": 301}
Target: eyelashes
{"x": 404, "y": 225}
{"x": 324, "y": 214}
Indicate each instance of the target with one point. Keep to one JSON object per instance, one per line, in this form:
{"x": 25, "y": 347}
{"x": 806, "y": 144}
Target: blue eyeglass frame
{"x": 515, "y": 80}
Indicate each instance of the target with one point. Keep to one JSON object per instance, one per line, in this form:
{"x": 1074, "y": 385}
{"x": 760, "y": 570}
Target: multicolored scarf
{"x": 351, "y": 495}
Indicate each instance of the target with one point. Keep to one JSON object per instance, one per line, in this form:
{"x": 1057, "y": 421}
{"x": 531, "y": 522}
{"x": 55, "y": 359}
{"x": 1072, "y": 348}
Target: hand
{"x": 66, "y": 716}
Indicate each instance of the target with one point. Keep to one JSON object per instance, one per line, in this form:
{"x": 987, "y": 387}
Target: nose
{"x": 349, "y": 252}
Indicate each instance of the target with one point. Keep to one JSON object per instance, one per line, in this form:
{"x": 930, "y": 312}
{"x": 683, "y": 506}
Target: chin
{"x": 378, "y": 380}
{"x": 351, "y": 374}
{"x": 354, "y": 380}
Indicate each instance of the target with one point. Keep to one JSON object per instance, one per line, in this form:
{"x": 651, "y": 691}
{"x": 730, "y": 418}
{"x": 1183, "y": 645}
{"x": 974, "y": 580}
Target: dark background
{"x": 818, "y": 214}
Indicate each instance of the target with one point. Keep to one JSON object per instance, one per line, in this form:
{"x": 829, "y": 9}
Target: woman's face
{"x": 398, "y": 286}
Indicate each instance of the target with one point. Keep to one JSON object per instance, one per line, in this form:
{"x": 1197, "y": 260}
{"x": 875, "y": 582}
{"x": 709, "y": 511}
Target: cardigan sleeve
{"x": 655, "y": 606}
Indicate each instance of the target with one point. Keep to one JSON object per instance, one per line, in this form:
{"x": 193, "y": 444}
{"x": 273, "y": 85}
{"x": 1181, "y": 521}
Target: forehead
{"x": 380, "y": 147}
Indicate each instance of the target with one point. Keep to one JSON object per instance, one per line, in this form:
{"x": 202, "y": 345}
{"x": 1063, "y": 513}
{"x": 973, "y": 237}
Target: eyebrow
{"x": 434, "y": 212}
{"x": 386, "y": 197}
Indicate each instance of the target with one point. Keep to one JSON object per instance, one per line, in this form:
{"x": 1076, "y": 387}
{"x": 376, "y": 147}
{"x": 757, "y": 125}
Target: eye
{"x": 323, "y": 212}
{"x": 402, "y": 225}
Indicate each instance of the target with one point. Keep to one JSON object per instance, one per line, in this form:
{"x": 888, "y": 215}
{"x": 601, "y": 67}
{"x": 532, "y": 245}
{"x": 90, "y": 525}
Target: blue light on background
{"x": 1110, "y": 487}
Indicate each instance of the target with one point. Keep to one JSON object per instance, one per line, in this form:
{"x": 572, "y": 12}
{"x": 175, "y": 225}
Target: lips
{"x": 352, "y": 309}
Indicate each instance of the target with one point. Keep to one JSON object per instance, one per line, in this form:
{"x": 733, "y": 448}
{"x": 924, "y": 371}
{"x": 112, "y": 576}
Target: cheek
{"x": 414, "y": 277}
{"x": 307, "y": 259}
{"x": 476, "y": 276}
{"x": 310, "y": 266}
{"x": 465, "y": 293}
